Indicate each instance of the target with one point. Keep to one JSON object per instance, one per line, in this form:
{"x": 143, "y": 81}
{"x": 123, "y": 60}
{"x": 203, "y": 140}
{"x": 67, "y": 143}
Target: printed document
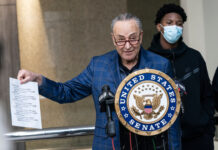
{"x": 25, "y": 105}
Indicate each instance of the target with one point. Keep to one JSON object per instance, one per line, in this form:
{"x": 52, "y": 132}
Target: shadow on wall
{"x": 4, "y": 145}
{"x": 1, "y": 55}
{"x": 3, "y": 127}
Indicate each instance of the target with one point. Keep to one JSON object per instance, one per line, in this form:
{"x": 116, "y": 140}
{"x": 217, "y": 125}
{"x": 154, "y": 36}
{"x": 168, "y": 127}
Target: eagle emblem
{"x": 147, "y": 102}
{"x": 147, "y": 108}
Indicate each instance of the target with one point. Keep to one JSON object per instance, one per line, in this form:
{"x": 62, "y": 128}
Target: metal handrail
{"x": 50, "y": 133}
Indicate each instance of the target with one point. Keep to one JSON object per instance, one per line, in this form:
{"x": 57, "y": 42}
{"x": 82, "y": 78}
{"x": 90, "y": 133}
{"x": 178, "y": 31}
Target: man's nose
{"x": 127, "y": 45}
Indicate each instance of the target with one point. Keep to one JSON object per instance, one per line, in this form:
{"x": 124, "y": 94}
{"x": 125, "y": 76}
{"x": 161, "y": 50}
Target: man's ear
{"x": 158, "y": 26}
{"x": 112, "y": 36}
{"x": 141, "y": 36}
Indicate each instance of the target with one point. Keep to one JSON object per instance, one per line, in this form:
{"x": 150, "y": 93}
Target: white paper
{"x": 25, "y": 105}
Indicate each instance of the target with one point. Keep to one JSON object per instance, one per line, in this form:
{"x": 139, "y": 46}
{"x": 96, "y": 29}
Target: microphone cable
{"x": 153, "y": 143}
{"x": 136, "y": 141}
{"x": 112, "y": 140}
{"x": 130, "y": 141}
{"x": 163, "y": 142}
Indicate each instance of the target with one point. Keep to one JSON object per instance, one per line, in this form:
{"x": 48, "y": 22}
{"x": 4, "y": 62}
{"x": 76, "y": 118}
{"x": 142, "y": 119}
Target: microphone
{"x": 106, "y": 99}
{"x": 106, "y": 95}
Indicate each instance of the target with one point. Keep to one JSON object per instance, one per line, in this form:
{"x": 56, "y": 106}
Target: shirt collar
{"x": 124, "y": 71}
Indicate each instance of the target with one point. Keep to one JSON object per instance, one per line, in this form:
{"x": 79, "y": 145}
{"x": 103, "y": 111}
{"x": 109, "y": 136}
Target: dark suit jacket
{"x": 215, "y": 89}
{"x": 102, "y": 70}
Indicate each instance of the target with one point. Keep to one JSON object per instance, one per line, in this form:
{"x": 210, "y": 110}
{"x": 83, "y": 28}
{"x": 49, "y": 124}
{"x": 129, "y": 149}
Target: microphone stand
{"x": 106, "y": 99}
{"x": 110, "y": 128}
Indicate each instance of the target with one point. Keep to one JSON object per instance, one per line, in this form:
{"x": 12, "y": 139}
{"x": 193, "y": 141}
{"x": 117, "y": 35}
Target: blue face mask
{"x": 172, "y": 33}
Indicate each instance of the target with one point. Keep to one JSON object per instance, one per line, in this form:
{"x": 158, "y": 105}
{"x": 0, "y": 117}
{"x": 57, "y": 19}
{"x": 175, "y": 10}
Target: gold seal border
{"x": 123, "y": 121}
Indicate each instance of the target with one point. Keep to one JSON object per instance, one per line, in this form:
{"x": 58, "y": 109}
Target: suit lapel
{"x": 114, "y": 70}
{"x": 144, "y": 63}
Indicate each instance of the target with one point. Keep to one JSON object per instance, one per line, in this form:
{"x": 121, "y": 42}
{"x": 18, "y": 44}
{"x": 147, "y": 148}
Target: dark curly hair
{"x": 169, "y": 8}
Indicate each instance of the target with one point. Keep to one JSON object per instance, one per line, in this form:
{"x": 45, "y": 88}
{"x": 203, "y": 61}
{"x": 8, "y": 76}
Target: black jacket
{"x": 190, "y": 69}
{"x": 215, "y": 88}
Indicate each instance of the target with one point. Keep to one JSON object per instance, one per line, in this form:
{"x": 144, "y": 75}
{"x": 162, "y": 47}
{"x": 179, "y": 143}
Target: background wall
{"x": 58, "y": 38}
{"x": 9, "y": 63}
{"x": 211, "y": 32}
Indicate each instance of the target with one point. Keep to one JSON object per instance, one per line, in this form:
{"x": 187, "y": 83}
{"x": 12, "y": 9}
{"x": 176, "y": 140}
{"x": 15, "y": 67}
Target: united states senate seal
{"x": 147, "y": 102}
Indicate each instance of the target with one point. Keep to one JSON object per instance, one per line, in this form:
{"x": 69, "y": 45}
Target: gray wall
{"x": 9, "y": 62}
{"x": 9, "y": 53}
{"x": 211, "y": 32}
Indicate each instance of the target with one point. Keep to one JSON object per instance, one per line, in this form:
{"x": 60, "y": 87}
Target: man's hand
{"x": 26, "y": 76}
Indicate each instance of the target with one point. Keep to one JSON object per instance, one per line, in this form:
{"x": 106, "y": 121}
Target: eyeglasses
{"x": 123, "y": 42}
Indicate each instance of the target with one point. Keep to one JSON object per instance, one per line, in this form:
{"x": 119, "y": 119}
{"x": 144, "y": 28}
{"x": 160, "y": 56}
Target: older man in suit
{"x": 108, "y": 69}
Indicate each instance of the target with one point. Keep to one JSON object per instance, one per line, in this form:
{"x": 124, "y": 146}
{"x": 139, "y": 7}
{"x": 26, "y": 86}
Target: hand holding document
{"x": 25, "y": 105}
